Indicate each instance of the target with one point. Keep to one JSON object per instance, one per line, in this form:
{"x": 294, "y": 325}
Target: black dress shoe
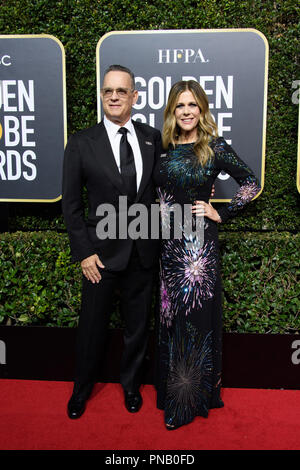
{"x": 81, "y": 393}
{"x": 76, "y": 407}
{"x": 133, "y": 401}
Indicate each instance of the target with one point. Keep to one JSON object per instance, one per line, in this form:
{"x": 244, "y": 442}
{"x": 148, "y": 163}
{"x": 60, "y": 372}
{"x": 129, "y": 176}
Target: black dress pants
{"x": 135, "y": 284}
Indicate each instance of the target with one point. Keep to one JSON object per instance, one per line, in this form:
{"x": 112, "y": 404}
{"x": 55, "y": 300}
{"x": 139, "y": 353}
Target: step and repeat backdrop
{"x": 232, "y": 67}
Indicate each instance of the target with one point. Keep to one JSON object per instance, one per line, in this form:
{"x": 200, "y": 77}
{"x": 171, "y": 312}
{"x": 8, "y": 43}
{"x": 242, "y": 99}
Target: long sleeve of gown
{"x": 226, "y": 159}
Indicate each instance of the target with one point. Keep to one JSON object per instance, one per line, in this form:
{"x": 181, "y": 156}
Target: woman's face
{"x": 187, "y": 112}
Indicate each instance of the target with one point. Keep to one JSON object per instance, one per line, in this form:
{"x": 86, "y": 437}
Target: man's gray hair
{"x": 120, "y": 68}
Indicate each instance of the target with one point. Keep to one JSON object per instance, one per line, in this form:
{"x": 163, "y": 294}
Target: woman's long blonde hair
{"x": 206, "y": 127}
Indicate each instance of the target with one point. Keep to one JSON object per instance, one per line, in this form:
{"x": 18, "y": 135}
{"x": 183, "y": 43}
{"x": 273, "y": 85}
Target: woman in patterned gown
{"x": 188, "y": 375}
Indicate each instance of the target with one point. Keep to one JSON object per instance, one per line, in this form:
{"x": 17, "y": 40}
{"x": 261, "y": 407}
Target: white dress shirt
{"x": 115, "y": 137}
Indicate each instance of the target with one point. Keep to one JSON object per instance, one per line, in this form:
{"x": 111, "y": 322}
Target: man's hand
{"x": 90, "y": 269}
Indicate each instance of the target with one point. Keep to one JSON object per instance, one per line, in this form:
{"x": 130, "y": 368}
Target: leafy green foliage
{"x": 38, "y": 285}
{"x": 261, "y": 285}
{"x": 259, "y": 250}
{"x": 79, "y": 24}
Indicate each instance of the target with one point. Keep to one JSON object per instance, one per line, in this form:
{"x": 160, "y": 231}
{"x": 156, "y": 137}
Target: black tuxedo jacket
{"x": 89, "y": 163}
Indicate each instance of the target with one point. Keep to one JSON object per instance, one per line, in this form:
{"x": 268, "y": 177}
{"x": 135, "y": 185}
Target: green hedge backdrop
{"x": 259, "y": 250}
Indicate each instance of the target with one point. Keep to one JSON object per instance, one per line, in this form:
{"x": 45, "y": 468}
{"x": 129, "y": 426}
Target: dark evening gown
{"x": 188, "y": 369}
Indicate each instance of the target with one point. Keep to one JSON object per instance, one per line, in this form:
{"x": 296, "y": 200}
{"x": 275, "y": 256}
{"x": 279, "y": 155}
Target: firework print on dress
{"x": 188, "y": 376}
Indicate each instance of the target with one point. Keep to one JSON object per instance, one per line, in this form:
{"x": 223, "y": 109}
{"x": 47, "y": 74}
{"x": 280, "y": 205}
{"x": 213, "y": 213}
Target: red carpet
{"x": 33, "y": 417}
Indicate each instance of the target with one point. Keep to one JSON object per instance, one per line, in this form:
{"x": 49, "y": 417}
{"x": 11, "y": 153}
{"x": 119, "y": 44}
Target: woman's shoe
{"x": 172, "y": 427}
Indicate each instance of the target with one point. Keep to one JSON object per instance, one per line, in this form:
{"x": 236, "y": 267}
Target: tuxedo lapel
{"x": 147, "y": 151}
{"x": 104, "y": 156}
{"x": 102, "y": 150}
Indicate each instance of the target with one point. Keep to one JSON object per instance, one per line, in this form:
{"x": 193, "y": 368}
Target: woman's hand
{"x": 90, "y": 269}
{"x": 203, "y": 208}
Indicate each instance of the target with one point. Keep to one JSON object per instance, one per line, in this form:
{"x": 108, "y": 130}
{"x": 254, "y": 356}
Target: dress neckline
{"x": 187, "y": 143}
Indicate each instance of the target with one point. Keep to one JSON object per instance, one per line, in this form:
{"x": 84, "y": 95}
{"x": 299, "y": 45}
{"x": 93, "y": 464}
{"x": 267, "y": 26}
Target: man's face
{"x": 117, "y": 97}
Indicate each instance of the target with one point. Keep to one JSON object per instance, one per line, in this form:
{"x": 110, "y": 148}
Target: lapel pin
{"x": 148, "y": 143}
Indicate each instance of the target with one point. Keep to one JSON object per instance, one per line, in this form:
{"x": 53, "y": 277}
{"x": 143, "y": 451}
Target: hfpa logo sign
{"x": 174, "y": 56}
{"x": 2, "y": 352}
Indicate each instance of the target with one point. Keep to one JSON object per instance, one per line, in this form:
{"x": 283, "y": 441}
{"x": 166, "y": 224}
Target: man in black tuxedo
{"x": 111, "y": 159}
